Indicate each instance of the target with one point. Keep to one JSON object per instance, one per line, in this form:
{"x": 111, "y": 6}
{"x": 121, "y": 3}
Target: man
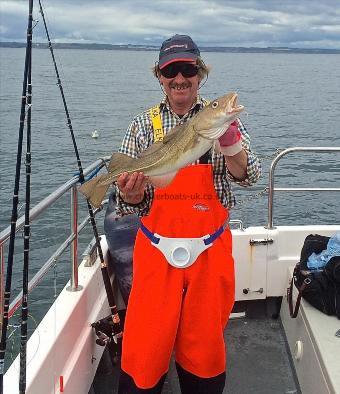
{"x": 172, "y": 308}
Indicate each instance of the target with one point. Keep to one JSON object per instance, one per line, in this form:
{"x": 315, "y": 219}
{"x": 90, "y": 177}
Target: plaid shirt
{"x": 139, "y": 136}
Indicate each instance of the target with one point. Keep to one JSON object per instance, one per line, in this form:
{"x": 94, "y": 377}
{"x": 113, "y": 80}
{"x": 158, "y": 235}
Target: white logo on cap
{"x": 176, "y": 46}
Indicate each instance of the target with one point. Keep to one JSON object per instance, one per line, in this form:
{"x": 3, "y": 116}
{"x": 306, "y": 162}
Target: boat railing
{"x": 272, "y": 189}
{"x": 71, "y": 240}
{"x": 76, "y": 228}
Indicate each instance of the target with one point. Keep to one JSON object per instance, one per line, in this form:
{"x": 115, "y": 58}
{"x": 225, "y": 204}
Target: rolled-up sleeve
{"x": 134, "y": 142}
{"x": 254, "y": 168}
{"x": 141, "y": 209}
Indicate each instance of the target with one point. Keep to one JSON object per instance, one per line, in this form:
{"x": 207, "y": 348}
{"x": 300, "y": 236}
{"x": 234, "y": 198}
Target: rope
{"x": 252, "y": 197}
{"x": 262, "y": 192}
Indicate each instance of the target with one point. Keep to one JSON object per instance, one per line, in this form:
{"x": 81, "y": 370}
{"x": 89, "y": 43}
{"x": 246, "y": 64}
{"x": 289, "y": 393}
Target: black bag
{"x": 320, "y": 288}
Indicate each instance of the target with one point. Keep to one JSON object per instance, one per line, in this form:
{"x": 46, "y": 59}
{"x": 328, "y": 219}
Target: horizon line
{"x": 156, "y": 47}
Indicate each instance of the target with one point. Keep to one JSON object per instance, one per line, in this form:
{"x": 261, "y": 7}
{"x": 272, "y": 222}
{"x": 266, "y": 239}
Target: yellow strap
{"x": 158, "y": 133}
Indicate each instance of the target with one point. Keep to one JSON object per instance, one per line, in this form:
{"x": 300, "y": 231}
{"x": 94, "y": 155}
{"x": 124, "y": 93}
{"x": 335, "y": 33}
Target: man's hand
{"x": 131, "y": 187}
{"x": 230, "y": 141}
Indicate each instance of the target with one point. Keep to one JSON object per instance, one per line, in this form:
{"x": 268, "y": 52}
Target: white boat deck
{"x": 258, "y": 358}
{"x": 314, "y": 346}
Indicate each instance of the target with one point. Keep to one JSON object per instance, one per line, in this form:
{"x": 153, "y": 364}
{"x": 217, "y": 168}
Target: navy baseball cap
{"x": 178, "y": 48}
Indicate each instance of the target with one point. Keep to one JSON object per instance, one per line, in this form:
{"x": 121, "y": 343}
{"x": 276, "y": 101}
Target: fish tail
{"x": 94, "y": 191}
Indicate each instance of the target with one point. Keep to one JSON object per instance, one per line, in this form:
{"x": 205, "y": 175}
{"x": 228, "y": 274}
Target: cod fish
{"x": 183, "y": 145}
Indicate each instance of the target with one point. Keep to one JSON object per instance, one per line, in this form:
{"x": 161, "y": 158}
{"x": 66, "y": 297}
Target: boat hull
{"x": 64, "y": 343}
{"x": 62, "y": 350}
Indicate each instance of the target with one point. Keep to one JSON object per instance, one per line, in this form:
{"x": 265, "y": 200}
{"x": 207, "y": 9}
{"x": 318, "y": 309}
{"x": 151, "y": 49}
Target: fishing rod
{"x": 15, "y": 200}
{"x": 116, "y": 331}
{"x": 24, "y": 304}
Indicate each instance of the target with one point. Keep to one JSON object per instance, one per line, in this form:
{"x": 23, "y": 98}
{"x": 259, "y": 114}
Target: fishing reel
{"x": 110, "y": 334}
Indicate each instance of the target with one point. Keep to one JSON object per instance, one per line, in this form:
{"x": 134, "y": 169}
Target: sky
{"x": 245, "y": 23}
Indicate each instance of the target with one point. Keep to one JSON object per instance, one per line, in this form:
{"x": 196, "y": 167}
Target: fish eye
{"x": 214, "y": 104}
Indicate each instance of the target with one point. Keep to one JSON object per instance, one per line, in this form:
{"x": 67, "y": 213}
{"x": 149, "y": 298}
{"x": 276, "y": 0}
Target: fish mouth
{"x": 229, "y": 113}
{"x": 233, "y": 107}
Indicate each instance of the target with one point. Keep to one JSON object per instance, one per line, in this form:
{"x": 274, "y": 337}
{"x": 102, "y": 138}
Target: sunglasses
{"x": 186, "y": 69}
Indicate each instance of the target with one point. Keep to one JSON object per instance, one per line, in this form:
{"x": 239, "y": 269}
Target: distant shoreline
{"x": 131, "y": 47}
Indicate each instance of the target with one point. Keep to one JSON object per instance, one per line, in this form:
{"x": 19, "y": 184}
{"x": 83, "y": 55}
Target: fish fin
{"x": 116, "y": 166}
{"x": 93, "y": 191}
{"x": 160, "y": 181}
{"x": 118, "y": 160}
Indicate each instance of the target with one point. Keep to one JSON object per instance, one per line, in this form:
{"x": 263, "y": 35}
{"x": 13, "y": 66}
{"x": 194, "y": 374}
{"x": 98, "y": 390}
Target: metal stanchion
{"x": 74, "y": 286}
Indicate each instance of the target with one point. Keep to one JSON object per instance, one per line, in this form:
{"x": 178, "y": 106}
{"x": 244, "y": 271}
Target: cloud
{"x": 306, "y": 23}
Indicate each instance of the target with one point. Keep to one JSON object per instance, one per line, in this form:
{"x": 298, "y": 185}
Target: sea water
{"x": 290, "y": 100}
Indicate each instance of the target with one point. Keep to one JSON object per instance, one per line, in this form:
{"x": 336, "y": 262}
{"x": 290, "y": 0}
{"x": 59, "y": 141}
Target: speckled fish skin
{"x": 183, "y": 145}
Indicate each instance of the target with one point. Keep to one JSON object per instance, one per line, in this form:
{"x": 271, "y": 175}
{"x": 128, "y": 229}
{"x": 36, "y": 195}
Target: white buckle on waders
{"x": 182, "y": 252}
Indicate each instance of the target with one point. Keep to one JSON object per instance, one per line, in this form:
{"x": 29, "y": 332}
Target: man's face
{"x": 180, "y": 89}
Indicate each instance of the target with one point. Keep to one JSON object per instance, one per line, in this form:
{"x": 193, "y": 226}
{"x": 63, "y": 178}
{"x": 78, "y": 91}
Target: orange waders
{"x": 185, "y": 309}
